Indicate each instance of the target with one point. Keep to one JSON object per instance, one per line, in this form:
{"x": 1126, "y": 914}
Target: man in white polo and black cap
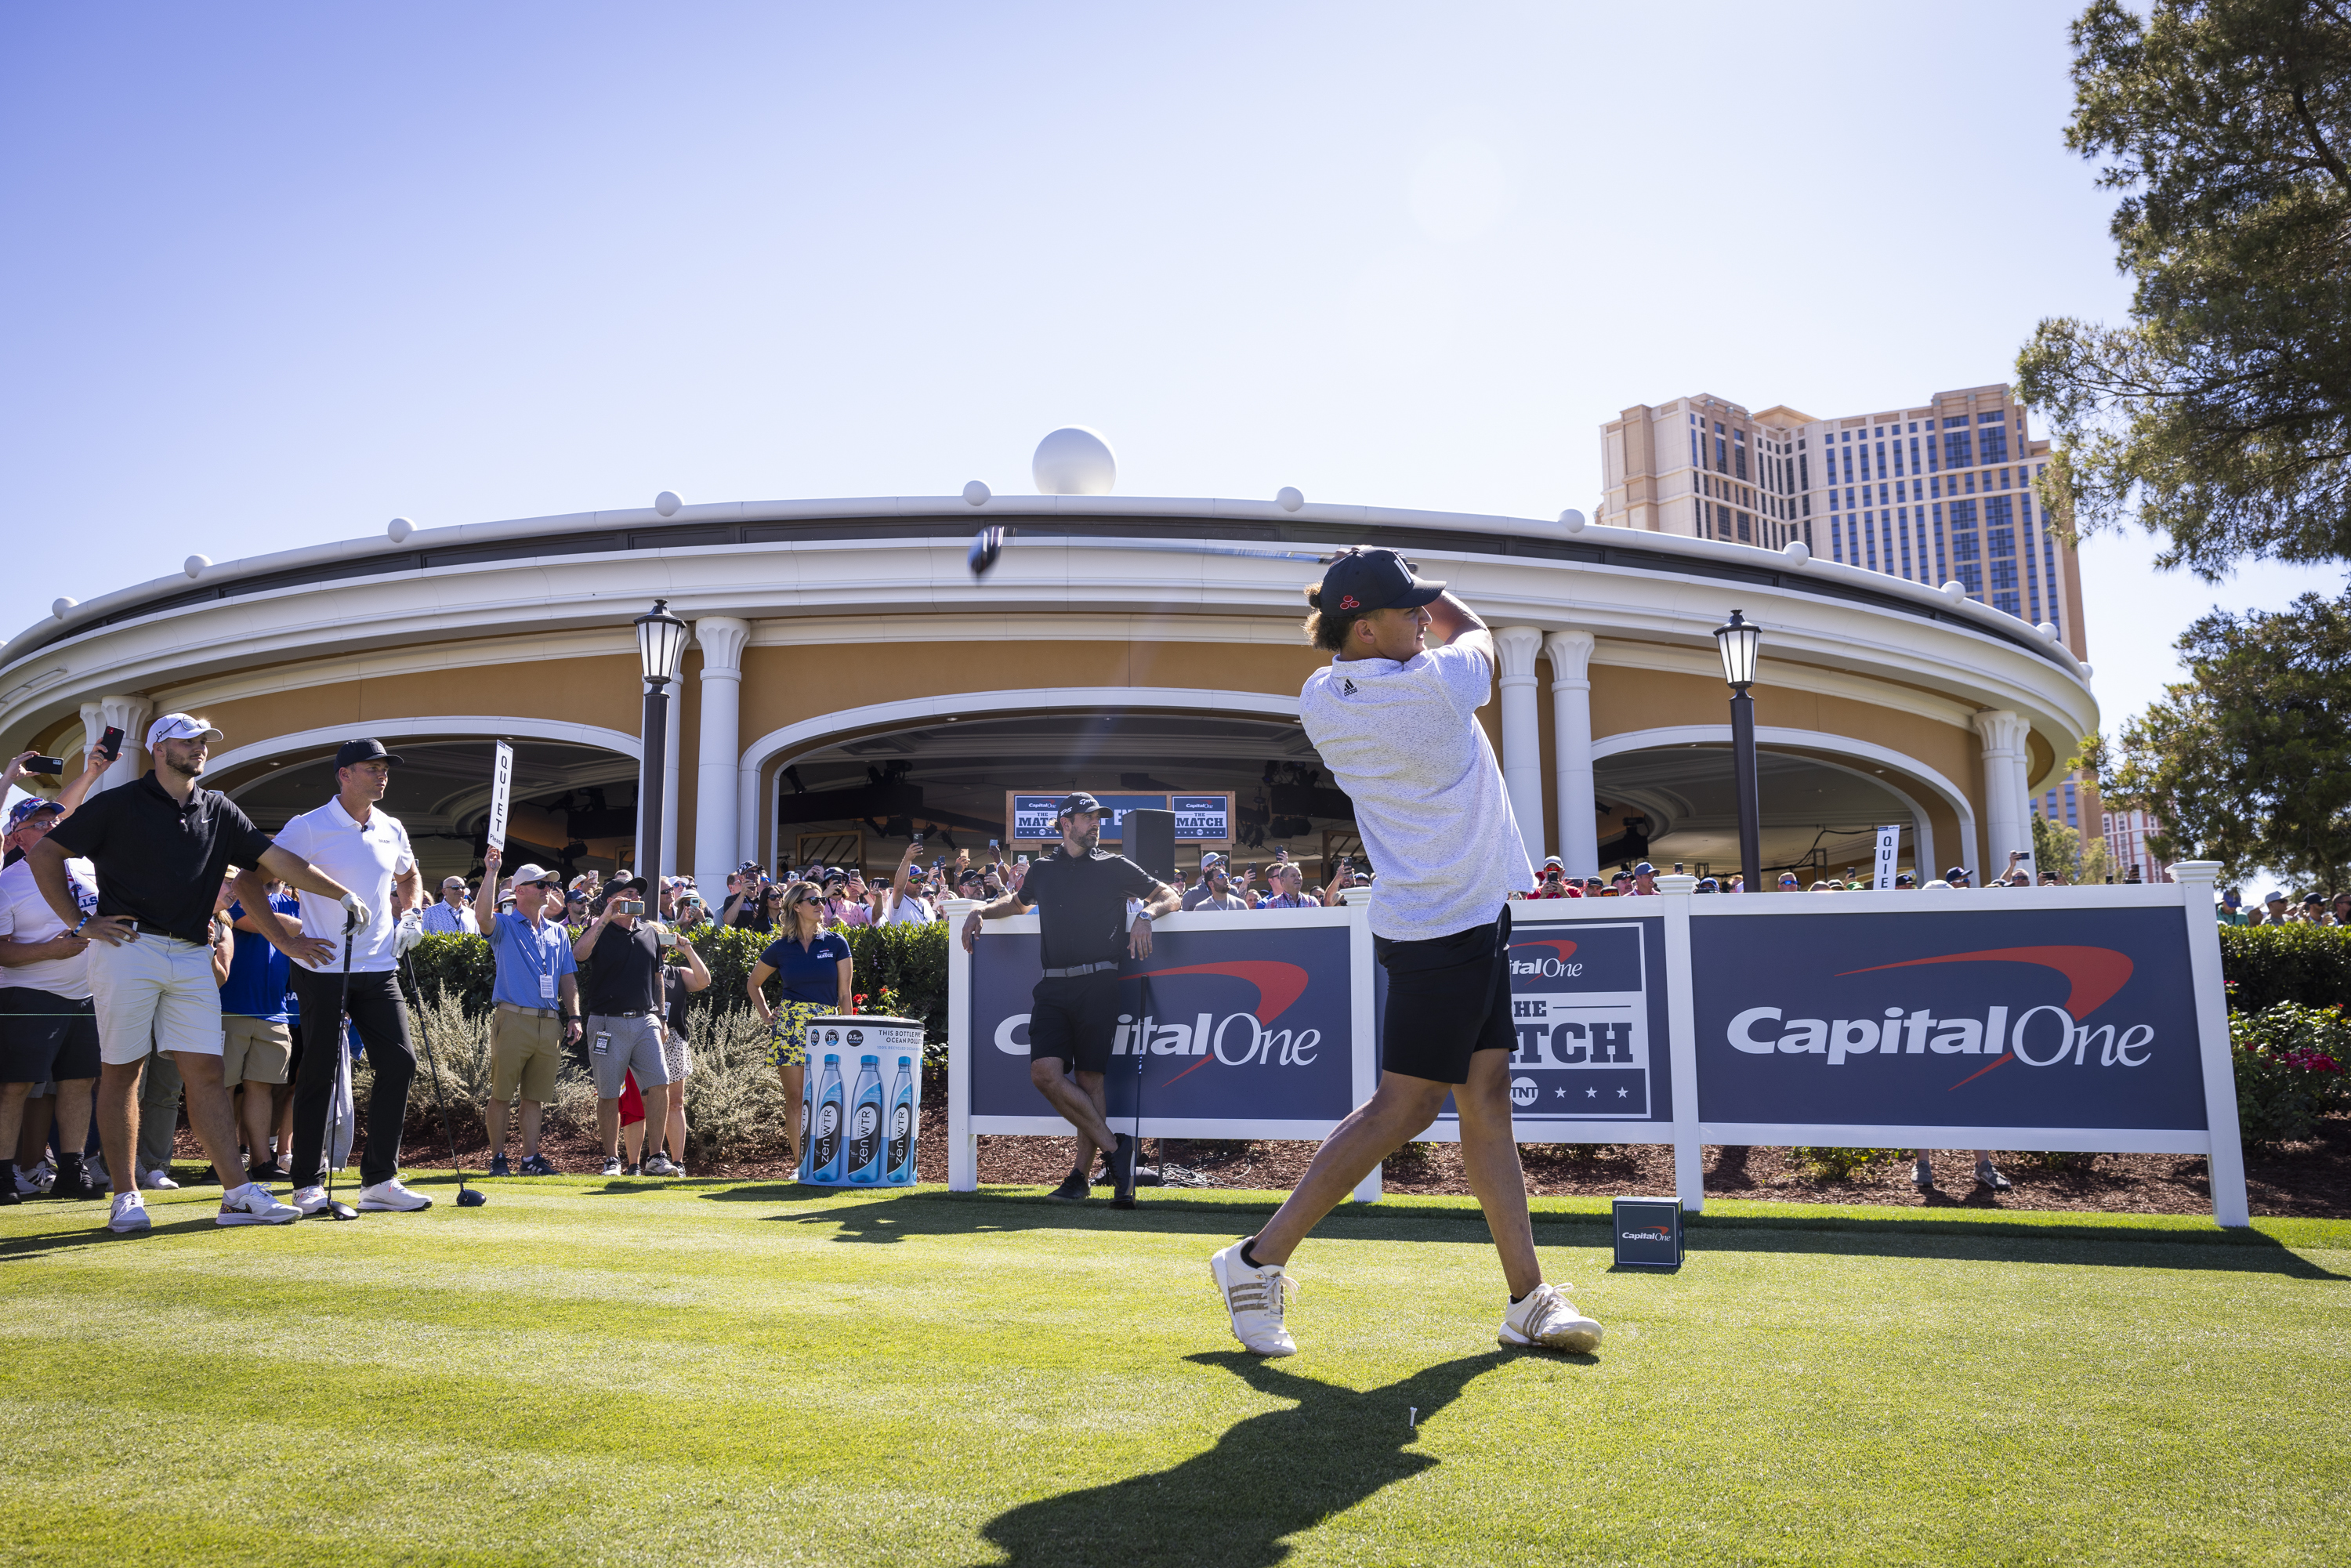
{"x": 1396, "y": 721}
{"x": 160, "y": 846}
{"x": 367, "y": 850}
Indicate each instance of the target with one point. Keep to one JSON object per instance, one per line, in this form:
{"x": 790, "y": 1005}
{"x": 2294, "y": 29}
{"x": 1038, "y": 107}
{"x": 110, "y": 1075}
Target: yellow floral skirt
{"x": 787, "y": 1044}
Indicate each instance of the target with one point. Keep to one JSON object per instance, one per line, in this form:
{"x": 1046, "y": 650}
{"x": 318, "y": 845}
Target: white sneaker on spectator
{"x": 252, "y": 1205}
{"x": 1546, "y": 1318}
{"x": 94, "y": 1166}
{"x": 130, "y": 1214}
{"x": 659, "y": 1165}
{"x": 390, "y": 1196}
{"x": 157, "y": 1181}
{"x": 39, "y": 1180}
{"x": 309, "y": 1199}
{"x": 1253, "y": 1298}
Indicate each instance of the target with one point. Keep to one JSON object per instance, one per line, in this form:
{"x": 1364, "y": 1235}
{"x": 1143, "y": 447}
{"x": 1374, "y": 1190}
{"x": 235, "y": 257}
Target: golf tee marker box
{"x": 1648, "y": 1232}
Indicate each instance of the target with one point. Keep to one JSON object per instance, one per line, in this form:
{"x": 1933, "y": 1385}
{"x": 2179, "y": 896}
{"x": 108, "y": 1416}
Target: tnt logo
{"x": 1523, "y": 1093}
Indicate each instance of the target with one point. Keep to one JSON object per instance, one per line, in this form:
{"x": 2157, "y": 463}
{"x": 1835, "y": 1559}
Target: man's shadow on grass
{"x": 1268, "y": 1479}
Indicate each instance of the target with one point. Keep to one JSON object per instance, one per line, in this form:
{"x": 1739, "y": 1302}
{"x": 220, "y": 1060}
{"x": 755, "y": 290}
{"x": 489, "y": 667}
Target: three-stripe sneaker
{"x": 1253, "y": 1298}
{"x": 1546, "y": 1318}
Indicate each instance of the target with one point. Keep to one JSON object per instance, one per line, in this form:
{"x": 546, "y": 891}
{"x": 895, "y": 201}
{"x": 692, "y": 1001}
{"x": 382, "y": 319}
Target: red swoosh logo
{"x": 1558, "y": 944}
{"x": 2095, "y": 974}
{"x": 1278, "y": 984}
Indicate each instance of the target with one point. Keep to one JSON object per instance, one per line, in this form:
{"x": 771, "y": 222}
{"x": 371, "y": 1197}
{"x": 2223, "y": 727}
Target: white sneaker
{"x": 252, "y": 1205}
{"x": 1548, "y": 1319}
{"x": 129, "y": 1215}
{"x": 659, "y": 1165}
{"x": 309, "y": 1199}
{"x": 391, "y": 1196}
{"x": 157, "y": 1181}
{"x": 94, "y": 1167}
{"x": 41, "y": 1178}
{"x": 1253, "y": 1297}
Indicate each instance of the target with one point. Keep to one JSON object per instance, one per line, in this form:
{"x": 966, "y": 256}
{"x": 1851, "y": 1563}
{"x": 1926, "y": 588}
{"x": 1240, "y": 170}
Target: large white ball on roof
{"x": 1074, "y": 461}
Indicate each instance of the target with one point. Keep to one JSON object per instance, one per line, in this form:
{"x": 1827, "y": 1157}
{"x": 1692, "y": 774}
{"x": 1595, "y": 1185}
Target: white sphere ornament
{"x": 1572, "y": 520}
{"x": 2088, "y": 672}
{"x": 398, "y": 529}
{"x": 1289, "y": 497}
{"x": 667, "y": 502}
{"x": 2048, "y": 630}
{"x": 1074, "y": 461}
{"x": 1797, "y": 550}
{"x": 62, "y": 608}
{"x": 194, "y": 565}
{"x": 1956, "y": 591}
{"x": 976, "y": 492}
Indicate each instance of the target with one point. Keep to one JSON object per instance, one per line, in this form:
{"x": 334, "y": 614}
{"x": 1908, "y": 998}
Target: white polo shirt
{"x": 1404, "y": 741}
{"x": 363, "y": 857}
{"x": 26, "y": 917}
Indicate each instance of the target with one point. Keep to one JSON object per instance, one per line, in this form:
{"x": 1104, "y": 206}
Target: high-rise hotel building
{"x": 1935, "y": 494}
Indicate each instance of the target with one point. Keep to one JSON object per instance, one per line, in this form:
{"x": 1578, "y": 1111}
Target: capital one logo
{"x": 2042, "y": 1036}
{"x": 1552, "y": 964}
{"x": 1241, "y": 1039}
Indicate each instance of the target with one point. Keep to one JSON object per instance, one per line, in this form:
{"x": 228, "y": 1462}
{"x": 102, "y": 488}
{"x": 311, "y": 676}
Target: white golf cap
{"x": 181, "y": 726}
{"x": 529, "y": 873}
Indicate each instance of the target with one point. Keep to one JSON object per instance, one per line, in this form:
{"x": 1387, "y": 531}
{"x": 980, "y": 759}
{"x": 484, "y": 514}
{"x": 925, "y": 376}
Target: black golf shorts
{"x": 1075, "y": 1019}
{"x": 1448, "y": 998}
{"x": 45, "y": 1037}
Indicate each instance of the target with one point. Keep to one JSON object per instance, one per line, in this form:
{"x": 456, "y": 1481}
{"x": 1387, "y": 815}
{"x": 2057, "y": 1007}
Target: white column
{"x": 721, "y": 639}
{"x": 1571, "y": 713}
{"x": 2003, "y": 773}
{"x": 130, "y": 714}
{"x": 1515, "y": 647}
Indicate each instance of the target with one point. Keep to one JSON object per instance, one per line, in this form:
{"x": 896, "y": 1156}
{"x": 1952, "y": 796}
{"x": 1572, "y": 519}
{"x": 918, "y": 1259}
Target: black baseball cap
{"x": 1078, "y": 801}
{"x": 635, "y": 884}
{"x": 1373, "y": 579}
{"x": 370, "y": 750}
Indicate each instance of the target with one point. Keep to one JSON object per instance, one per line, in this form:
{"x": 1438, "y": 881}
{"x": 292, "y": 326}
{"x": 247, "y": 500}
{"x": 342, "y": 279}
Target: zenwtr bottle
{"x": 865, "y": 1122}
{"x": 807, "y": 1121}
{"x": 902, "y": 1124}
{"x": 825, "y": 1147}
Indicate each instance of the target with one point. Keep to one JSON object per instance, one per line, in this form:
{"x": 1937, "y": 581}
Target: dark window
{"x": 1803, "y": 474}
{"x": 1963, "y": 547}
{"x": 1972, "y": 575}
{"x": 1956, "y": 451}
{"x": 2003, "y": 540}
{"x": 1721, "y": 464}
{"x": 1963, "y": 514}
{"x": 1991, "y": 443}
{"x": 1744, "y": 520}
{"x": 2003, "y": 573}
{"x": 1741, "y": 455}
{"x": 1997, "y": 515}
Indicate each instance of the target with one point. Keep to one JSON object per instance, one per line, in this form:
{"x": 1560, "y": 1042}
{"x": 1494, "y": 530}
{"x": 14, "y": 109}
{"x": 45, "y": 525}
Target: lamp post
{"x": 1738, "y": 640}
{"x": 661, "y": 643}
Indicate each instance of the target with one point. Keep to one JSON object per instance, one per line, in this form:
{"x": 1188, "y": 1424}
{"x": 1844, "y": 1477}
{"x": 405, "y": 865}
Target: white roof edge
{"x": 1995, "y": 622}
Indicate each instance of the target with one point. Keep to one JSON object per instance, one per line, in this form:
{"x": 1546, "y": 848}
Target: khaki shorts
{"x": 255, "y": 1051}
{"x": 526, "y": 1050}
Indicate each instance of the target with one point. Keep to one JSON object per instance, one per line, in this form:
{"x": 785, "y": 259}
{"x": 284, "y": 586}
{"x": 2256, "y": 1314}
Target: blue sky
{"x": 280, "y": 273}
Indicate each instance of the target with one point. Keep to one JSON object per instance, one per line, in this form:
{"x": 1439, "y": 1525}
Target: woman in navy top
{"x": 816, "y": 969}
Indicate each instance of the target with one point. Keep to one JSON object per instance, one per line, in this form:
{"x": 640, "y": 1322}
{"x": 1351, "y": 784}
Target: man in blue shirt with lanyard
{"x": 538, "y": 1011}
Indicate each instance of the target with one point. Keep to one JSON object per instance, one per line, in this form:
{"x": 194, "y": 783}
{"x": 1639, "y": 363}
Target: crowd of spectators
{"x": 2281, "y": 908}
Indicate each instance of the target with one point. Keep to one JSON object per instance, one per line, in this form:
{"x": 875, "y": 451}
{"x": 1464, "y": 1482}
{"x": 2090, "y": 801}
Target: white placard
{"x": 501, "y": 786}
{"x": 1889, "y": 849}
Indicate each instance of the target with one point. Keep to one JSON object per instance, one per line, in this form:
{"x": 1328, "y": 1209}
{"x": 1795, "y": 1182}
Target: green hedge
{"x": 2290, "y": 1065}
{"x": 910, "y": 959}
{"x": 2309, "y": 966}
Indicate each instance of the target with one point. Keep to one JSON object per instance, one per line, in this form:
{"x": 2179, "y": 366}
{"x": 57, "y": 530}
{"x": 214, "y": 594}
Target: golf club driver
{"x": 467, "y": 1197}
{"x": 331, "y": 1209}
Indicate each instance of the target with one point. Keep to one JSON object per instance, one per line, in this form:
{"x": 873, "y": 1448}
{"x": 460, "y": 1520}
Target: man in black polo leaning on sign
{"x": 1073, "y": 1016}
{"x": 160, "y": 846}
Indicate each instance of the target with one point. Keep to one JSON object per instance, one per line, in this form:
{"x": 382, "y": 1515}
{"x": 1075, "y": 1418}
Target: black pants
{"x": 383, "y": 1029}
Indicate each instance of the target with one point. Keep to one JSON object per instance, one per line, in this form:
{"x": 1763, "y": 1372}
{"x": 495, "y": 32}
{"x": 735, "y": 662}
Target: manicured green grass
{"x": 584, "y": 1374}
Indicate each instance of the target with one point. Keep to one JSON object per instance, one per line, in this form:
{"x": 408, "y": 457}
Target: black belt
{"x": 1081, "y": 970}
{"x": 149, "y": 928}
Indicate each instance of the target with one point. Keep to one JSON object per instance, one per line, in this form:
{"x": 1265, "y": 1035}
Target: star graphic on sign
{"x": 1560, "y": 1093}
{"x": 1621, "y": 1093}
{"x": 1592, "y": 1095}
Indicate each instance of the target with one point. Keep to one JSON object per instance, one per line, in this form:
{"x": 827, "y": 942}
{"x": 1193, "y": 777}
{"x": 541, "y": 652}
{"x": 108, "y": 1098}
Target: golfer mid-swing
{"x": 1395, "y": 721}
{"x": 1082, "y": 932}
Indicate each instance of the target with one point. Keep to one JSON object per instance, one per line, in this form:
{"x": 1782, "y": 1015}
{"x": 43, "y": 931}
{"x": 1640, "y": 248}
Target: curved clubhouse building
{"x": 849, "y": 680}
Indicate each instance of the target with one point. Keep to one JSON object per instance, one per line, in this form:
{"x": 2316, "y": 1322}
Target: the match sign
{"x": 1199, "y": 819}
{"x": 501, "y": 790}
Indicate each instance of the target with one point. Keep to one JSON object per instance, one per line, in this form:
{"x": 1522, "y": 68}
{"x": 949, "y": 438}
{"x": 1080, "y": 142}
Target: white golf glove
{"x": 361, "y": 915}
{"x": 408, "y": 932}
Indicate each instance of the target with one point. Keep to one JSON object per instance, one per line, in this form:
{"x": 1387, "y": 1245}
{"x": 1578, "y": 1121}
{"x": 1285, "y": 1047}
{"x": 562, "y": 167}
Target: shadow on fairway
{"x": 98, "y": 1235}
{"x": 892, "y": 1217}
{"x": 1268, "y": 1479}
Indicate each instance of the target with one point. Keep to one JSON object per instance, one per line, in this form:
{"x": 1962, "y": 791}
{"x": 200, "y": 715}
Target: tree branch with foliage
{"x": 2217, "y": 417}
{"x": 2249, "y": 760}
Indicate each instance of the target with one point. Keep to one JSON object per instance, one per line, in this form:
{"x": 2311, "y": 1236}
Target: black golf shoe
{"x": 1122, "y": 1170}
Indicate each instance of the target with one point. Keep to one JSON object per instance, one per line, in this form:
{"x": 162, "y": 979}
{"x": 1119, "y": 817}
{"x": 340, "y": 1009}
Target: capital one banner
{"x": 1234, "y": 1021}
{"x": 1978, "y": 1017}
{"x": 1588, "y": 1006}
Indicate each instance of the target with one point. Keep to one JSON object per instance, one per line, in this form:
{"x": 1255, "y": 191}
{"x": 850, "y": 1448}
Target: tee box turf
{"x": 1648, "y": 1232}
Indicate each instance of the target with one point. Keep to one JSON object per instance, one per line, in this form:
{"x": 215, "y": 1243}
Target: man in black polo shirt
{"x": 621, "y": 957}
{"x": 1074, "y": 1017}
{"x": 160, "y": 846}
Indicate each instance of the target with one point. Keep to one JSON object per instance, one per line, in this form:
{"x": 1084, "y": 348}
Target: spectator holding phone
{"x": 624, "y": 1003}
{"x": 902, "y": 903}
